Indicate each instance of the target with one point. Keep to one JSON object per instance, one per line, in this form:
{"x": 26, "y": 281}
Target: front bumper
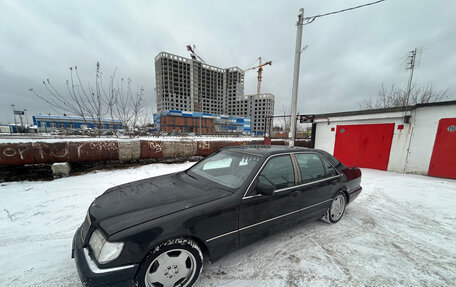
{"x": 91, "y": 275}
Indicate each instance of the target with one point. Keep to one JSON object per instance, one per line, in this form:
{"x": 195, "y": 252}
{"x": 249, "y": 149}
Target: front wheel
{"x": 176, "y": 262}
{"x": 336, "y": 210}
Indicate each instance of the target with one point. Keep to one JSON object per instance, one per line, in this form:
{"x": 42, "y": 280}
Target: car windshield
{"x": 229, "y": 169}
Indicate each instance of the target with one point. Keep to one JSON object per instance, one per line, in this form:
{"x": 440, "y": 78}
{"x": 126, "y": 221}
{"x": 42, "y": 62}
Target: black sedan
{"x": 156, "y": 231}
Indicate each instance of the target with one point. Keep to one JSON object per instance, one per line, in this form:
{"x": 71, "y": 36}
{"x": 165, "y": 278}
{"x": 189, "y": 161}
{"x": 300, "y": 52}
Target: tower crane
{"x": 260, "y": 72}
{"x": 193, "y": 53}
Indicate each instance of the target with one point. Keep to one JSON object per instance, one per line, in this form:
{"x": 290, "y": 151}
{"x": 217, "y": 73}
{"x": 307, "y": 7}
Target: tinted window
{"x": 330, "y": 171}
{"x": 278, "y": 172}
{"x": 334, "y": 161}
{"x": 310, "y": 166}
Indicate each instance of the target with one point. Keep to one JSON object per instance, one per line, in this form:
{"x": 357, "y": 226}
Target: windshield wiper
{"x": 190, "y": 175}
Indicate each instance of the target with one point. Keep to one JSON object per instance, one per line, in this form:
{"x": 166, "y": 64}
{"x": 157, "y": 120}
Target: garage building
{"x": 416, "y": 139}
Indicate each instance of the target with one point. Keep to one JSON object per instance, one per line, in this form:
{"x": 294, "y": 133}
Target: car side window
{"x": 310, "y": 166}
{"x": 278, "y": 172}
{"x": 330, "y": 170}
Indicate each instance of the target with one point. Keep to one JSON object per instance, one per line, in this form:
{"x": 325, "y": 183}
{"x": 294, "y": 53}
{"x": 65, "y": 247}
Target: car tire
{"x": 176, "y": 262}
{"x": 336, "y": 210}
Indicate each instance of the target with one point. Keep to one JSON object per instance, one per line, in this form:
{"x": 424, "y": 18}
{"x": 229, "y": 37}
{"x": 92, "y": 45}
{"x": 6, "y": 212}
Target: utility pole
{"x": 294, "y": 100}
{"x": 305, "y": 21}
{"x": 411, "y": 67}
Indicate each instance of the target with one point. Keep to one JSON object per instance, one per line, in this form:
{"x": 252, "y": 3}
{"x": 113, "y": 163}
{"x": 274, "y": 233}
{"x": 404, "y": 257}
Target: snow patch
{"x": 399, "y": 232}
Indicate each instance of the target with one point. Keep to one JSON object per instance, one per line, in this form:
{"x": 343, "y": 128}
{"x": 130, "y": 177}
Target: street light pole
{"x": 294, "y": 100}
{"x": 14, "y": 115}
{"x": 25, "y": 115}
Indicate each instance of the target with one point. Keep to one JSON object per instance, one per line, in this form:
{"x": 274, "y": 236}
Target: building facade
{"x": 417, "y": 139}
{"x": 9, "y": 128}
{"x": 190, "y": 85}
{"x": 184, "y": 84}
{"x": 259, "y": 107}
{"x": 200, "y": 123}
{"x": 49, "y": 123}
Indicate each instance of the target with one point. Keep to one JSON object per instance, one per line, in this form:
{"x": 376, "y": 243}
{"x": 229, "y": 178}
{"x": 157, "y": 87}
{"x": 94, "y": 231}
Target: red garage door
{"x": 364, "y": 145}
{"x": 443, "y": 160}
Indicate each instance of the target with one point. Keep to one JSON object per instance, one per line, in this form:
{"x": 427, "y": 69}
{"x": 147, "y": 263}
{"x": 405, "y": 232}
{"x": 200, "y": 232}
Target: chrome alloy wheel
{"x": 337, "y": 207}
{"x": 175, "y": 267}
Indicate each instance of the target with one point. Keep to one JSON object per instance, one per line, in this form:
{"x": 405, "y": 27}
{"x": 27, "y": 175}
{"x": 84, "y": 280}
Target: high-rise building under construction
{"x": 190, "y": 85}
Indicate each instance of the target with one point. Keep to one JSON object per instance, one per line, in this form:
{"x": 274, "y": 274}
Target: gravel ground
{"x": 399, "y": 232}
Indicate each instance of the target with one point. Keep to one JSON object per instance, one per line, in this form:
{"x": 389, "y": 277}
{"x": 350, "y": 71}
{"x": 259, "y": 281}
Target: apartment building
{"x": 184, "y": 84}
{"x": 260, "y": 106}
{"x": 257, "y": 108}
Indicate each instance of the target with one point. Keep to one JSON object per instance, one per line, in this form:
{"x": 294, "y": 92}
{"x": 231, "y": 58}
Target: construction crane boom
{"x": 193, "y": 53}
{"x": 260, "y": 73}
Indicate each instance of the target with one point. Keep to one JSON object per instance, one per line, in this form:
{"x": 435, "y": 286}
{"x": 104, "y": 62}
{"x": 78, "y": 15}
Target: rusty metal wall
{"x": 95, "y": 151}
{"x": 43, "y": 152}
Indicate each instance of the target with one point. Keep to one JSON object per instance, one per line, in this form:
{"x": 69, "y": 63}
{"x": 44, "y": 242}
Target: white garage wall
{"x": 399, "y": 144}
{"x": 425, "y": 121}
{"x": 324, "y": 138}
{"x": 416, "y": 139}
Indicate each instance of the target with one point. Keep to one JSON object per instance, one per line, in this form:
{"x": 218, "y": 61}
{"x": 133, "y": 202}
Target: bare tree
{"x": 123, "y": 103}
{"x": 146, "y": 118}
{"x": 93, "y": 102}
{"x": 111, "y": 96}
{"x": 397, "y": 97}
{"x": 137, "y": 107}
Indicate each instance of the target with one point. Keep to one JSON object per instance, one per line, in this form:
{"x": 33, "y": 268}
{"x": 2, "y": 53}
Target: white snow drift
{"x": 400, "y": 231}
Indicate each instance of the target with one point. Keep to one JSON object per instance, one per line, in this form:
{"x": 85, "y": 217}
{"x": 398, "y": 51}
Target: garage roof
{"x": 387, "y": 110}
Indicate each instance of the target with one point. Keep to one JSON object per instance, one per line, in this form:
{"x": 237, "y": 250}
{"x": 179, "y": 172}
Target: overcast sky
{"x": 349, "y": 55}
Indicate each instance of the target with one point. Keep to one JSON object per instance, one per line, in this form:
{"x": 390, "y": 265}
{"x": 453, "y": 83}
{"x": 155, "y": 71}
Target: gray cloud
{"x": 348, "y": 57}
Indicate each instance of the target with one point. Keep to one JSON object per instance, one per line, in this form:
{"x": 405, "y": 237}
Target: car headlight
{"x": 103, "y": 250}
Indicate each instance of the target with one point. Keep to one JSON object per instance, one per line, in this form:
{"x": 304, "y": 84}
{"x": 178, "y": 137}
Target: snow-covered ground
{"x": 400, "y": 231}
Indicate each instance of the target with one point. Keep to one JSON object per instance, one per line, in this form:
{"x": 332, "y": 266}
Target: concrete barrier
{"x": 111, "y": 150}
{"x": 129, "y": 150}
{"x": 61, "y": 169}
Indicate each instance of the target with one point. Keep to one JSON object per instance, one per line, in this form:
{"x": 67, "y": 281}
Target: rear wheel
{"x": 336, "y": 210}
{"x": 176, "y": 262}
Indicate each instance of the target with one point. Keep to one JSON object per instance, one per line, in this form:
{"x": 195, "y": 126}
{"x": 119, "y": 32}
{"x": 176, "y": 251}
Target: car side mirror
{"x": 265, "y": 189}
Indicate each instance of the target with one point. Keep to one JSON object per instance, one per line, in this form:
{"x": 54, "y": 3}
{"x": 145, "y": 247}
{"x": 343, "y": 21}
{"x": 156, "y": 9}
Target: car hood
{"x": 127, "y": 205}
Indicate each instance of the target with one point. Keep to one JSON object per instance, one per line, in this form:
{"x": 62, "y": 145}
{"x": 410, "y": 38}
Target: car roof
{"x": 265, "y": 150}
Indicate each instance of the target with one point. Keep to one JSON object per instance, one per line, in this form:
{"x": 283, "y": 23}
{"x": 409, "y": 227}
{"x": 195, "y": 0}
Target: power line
{"x": 308, "y": 20}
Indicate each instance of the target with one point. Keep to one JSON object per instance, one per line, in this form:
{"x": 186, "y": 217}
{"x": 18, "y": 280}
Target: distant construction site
{"x": 193, "y": 86}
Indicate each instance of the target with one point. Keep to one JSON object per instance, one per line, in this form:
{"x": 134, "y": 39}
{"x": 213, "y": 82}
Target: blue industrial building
{"x": 9, "y": 128}
{"x": 201, "y": 123}
{"x": 49, "y": 123}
